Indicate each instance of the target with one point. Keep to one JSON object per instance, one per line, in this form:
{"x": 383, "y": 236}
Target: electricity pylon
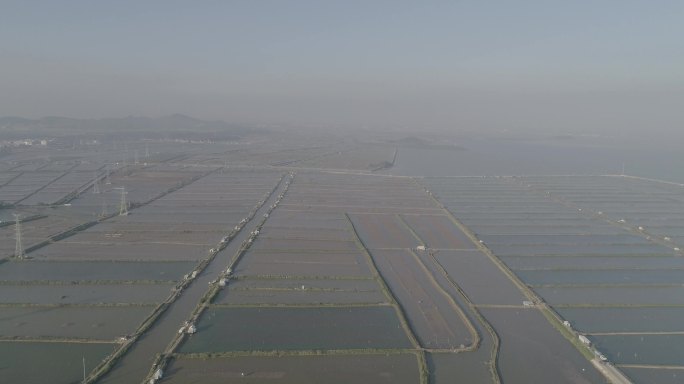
{"x": 123, "y": 207}
{"x": 19, "y": 248}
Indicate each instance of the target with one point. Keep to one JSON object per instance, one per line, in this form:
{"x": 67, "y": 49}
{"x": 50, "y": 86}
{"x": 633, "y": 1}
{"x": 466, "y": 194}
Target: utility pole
{"x": 107, "y": 170}
{"x": 147, "y": 151}
{"x": 135, "y": 157}
{"x": 19, "y": 248}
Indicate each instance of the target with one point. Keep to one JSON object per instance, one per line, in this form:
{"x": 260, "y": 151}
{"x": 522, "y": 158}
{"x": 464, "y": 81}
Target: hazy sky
{"x": 576, "y": 66}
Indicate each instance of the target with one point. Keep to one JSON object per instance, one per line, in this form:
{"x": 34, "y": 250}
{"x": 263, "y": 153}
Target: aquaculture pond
{"x": 292, "y": 291}
{"x": 100, "y": 323}
{"x": 49, "y": 362}
{"x": 657, "y": 350}
{"x": 436, "y": 319}
{"x": 533, "y": 351}
{"x": 85, "y": 293}
{"x": 93, "y": 270}
{"x": 330, "y": 369}
{"x": 479, "y": 277}
{"x": 276, "y": 328}
{"x": 654, "y": 375}
{"x": 626, "y": 319}
{"x": 603, "y": 277}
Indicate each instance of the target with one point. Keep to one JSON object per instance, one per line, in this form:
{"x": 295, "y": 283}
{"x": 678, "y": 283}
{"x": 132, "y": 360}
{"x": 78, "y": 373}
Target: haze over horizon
{"x": 329, "y": 191}
{"x": 612, "y": 67}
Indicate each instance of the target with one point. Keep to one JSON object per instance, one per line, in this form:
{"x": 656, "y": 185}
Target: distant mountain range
{"x": 157, "y": 126}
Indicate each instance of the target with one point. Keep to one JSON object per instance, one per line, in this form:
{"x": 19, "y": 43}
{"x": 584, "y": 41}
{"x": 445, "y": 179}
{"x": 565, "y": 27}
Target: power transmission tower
{"x": 123, "y": 208}
{"x": 19, "y": 248}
